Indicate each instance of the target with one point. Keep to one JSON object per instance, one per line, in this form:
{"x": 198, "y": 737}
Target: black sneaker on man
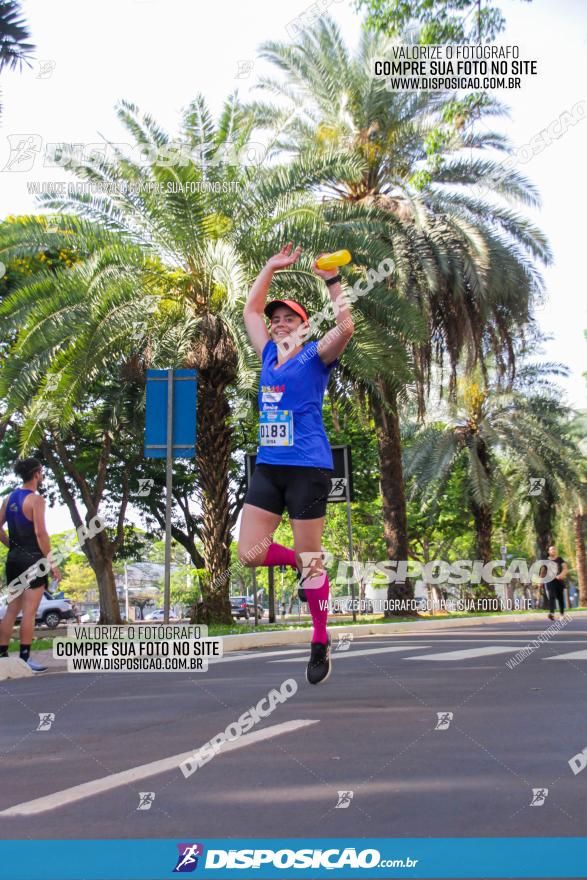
{"x": 319, "y": 665}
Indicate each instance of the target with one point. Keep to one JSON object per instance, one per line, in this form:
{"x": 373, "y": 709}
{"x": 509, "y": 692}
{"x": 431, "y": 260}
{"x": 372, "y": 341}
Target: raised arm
{"x": 335, "y": 341}
{"x": 41, "y": 533}
{"x": 253, "y": 311}
{"x": 3, "y": 535}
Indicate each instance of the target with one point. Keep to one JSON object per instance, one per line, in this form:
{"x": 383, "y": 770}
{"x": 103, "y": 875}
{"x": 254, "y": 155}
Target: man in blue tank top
{"x": 28, "y": 542}
{"x": 294, "y": 460}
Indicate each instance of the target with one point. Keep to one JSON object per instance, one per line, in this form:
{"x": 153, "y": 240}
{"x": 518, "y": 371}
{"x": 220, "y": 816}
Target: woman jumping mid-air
{"x": 294, "y": 460}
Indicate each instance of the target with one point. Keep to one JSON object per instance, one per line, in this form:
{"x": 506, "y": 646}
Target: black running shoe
{"x": 319, "y": 665}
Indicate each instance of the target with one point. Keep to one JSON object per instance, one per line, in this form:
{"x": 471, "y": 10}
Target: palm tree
{"x": 576, "y": 502}
{"x": 579, "y": 515}
{"x": 466, "y": 263}
{"x": 170, "y": 257}
{"x": 14, "y": 34}
{"x": 488, "y": 426}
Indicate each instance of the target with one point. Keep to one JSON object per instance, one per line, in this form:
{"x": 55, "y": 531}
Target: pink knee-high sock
{"x": 318, "y": 603}
{"x": 279, "y": 555}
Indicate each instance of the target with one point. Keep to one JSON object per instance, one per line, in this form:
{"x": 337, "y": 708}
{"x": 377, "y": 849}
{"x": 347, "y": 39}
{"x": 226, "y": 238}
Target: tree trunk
{"x": 395, "y": 523}
{"x": 581, "y": 563}
{"x": 213, "y": 458}
{"x": 483, "y": 518}
{"x": 544, "y": 511}
{"x": 101, "y": 563}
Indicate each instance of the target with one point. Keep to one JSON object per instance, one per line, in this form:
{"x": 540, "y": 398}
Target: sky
{"x": 159, "y": 54}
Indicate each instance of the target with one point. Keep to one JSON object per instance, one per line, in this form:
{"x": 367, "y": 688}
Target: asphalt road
{"x": 371, "y": 729}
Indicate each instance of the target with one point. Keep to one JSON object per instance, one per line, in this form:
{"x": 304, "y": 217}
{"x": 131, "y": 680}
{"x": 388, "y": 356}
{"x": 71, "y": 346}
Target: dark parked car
{"x": 244, "y": 606}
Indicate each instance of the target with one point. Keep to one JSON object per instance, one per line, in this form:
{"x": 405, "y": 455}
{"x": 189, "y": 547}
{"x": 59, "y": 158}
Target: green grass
{"x": 37, "y": 645}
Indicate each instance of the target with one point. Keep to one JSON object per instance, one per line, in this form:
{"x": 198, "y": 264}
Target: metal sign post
{"x": 255, "y": 612}
{"x": 349, "y": 526}
{"x": 168, "y": 497}
{"x": 249, "y": 467}
{"x": 170, "y": 432}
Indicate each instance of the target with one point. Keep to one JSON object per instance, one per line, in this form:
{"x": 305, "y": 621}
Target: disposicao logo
{"x": 188, "y": 857}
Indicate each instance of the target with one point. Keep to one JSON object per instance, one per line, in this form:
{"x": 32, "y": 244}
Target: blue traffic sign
{"x": 183, "y": 416}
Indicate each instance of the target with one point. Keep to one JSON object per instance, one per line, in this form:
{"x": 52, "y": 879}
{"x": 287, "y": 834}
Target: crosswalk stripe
{"x": 115, "y": 780}
{"x": 363, "y": 653}
{"x": 469, "y": 652}
{"x": 256, "y": 654}
{"x": 574, "y": 655}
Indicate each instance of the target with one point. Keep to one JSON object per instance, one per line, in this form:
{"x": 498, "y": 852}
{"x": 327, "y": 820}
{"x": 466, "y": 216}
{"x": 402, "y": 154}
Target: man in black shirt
{"x": 555, "y": 588}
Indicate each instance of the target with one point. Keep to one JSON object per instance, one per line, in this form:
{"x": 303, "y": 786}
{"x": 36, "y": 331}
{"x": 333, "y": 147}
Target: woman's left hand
{"x": 323, "y": 273}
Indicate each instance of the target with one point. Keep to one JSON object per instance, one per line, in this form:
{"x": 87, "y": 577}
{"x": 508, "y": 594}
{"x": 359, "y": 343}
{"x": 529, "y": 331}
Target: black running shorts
{"x": 302, "y": 490}
{"x": 17, "y": 562}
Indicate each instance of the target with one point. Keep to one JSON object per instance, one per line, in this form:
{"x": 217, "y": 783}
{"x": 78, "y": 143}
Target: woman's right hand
{"x": 285, "y": 257}
{"x": 56, "y": 574}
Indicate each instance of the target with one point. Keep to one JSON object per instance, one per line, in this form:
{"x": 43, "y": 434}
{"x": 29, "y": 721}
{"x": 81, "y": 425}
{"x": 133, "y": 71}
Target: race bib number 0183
{"x": 276, "y": 428}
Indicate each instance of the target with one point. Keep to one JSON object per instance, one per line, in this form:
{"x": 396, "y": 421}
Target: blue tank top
{"x": 21, "y": 530}
{"x": 290, "y": 408}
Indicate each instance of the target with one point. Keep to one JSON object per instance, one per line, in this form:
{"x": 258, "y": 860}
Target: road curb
{"x": 14, "y": 667}
{"x": 277, "y": 638}
{"x": 293, "y": 637}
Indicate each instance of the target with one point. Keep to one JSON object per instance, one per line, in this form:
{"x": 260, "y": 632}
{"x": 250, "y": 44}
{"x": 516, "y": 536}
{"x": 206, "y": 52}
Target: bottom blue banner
{"x": 452, "y": 857}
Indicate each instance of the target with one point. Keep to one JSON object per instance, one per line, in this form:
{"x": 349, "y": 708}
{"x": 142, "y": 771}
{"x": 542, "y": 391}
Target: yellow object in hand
{"x": 332, "y": 261}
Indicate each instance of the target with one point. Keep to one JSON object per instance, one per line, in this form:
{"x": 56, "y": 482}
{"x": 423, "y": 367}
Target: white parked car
{"x": 92, "y": 616}
{"x": 155, "y": 615}
{"x": 51, "y": 611}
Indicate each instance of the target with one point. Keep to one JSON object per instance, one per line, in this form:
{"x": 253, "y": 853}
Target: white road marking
{"x": 135, "y": 774}
{"x": 469, "y": 652}
{"x": 253, "y": 655}
{"x": 351, "y": 653}
{"x": 574, "y": 655}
